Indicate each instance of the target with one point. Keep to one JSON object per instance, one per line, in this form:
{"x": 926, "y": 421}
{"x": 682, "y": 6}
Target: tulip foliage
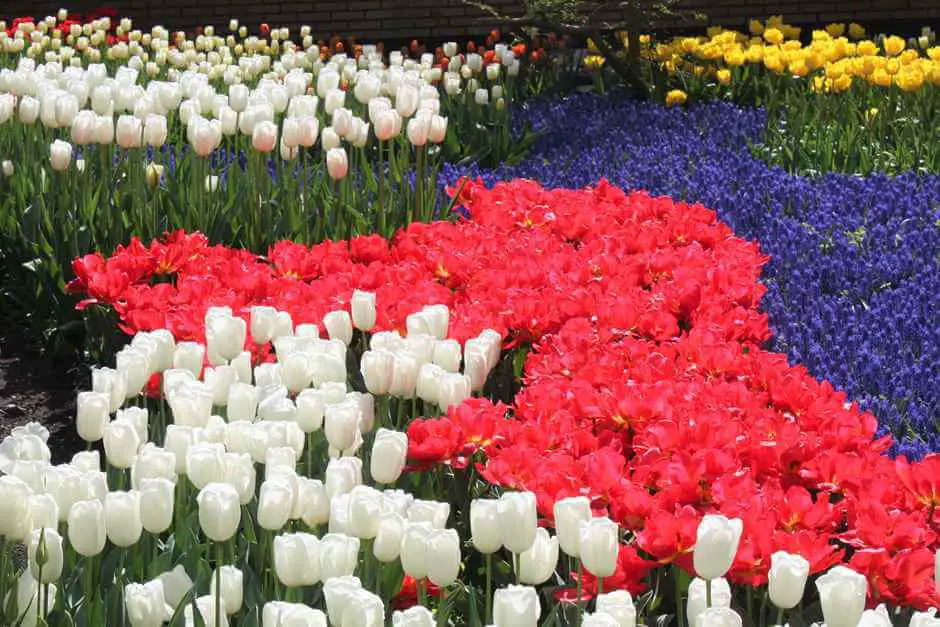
{"x": 320, "y": 426}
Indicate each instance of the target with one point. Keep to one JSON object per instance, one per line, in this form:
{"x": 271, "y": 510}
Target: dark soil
{"x": 39, "y": 388}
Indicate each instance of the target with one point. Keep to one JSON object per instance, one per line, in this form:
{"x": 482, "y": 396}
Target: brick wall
{"x": 442, "y": 19}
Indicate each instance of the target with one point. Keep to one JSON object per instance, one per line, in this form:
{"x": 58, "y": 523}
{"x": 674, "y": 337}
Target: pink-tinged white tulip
{"x": 128, "y": 132}
{"x": 60, "y": 155}
{"x": 337, "y": 163}
{"x": 264, "y": 136}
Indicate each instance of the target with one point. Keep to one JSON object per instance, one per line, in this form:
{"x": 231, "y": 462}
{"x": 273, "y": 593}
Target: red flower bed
{"x": 646, "y": 387}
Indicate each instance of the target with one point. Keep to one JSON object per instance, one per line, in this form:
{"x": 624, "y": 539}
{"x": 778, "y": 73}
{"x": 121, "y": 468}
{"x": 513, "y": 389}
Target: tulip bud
{"x": 205, "y": 463}
{"x": 387, "y": 124}
{"x": 206, "y": 606}
{"x": 787, "y": 579}
{"x": 414, "y": 555}
{"x": 538, "y": 563}
{"x": 145, "y": 603}
{"x": 336, "y": 163}
{"x": 232, "y": 587}
{"x": 415, "y": 616}
{"x": 6, "y": 167}
{"x": 569, "y": 514}
{"x": 362, "y": 306}
{"x": 877, "y": 617}
{"x": 46, "y": 557}
{"x": 518, "y": 606}
{"x": 389, "y": 452}
{"x": 121, "y": 442}
{"x": 275, "y": 504}
{"x": 92, "y": 415}
{"x": 219, "y": 511}
{"x": 406, "y": 100}
{"x": 342, "y": 475}
{"x": 339, "y": 554}
{"x": 716, "y": 545}
{"x": 438, "y": 130}
{"x": 599, "y": 546}
{"x": 122, "y": 518}
{"x": 517, "y": 520}
{"x": 842, "y": 593}
{"x": 338, "y": 324}
{"x": 443, "y": 556}
{"x": 27, "y": 598}
{"x": 720, "y": 597}
{"x": 485, "y": 525}
{"x": 86, "y": 527}
{"x": 341, "y": 423}
{"x": 434, "y": 512}
{"x": 156, "y": 504}
{"x": 419, "y": 129}
{"x": 719, "y": 617}
{"x": 297, "y": 559}
{"x": 60, "y": 155}
{"x": 264, "y": 138}
{"x": 454, "y": 389}
{"x": 618, "y": 605}
{"x": 447, "y": 355}
{"x": 128, "y": 132}
{"x": 225, "y": 336}
{"x": 388, "y": 539}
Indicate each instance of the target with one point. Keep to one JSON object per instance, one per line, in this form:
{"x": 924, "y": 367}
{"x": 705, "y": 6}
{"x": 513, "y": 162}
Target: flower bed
{"x": 852, "y": 277}
{"x": 646, "y": 388}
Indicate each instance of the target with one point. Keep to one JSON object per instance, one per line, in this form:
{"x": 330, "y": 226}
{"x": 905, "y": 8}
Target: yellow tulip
{"x": 835, "y": 30}
{"x": 881, "y": 78}
{"x": 821, "y": 35}
{"x": 870, "y": 115}
{"x": 734, "y": 58}
{"x": 892, "y": 66}
{"x": 792, "y": 44}
{"x": 723, "y": 76}
{"x": 934, "y": 53}
{"x": 820, "y": 85}
{"x": 689, "y": 44}
{"x": 910, "y": 80}
{"x": 755, "y": 54}
{"x": 867, "y": 48}
{"x": 856, "y": 31}
{"x": 908, "y": 56}
{"x": 842, "y": 83}
{"x": 755, "y": 27}
{"x": 791, "y": 32}
{"x": 774, "y": 21}
{"x": 893, "y": 45}
{"x": 773, "y": 36}
{"x": 676, "y": 97}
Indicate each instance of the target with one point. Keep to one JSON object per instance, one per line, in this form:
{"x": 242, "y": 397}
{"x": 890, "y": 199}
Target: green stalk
{"x": 489, "y": 588}
{"x": 381, "y": 208}
{"x": 579, "y": 590}
{"x": 218, "y": 584}
{"x": 89, "y": 585}
{"x": 779, "y": 620}
{"x": 708, "y": 593}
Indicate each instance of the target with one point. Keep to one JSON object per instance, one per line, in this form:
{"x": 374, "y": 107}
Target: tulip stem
{"x": 489, "y": 588}
{"x": 89, "y": 580}
{"x": 579, "y": 591}
{"x": 218, "y": 584}
{"x": 515, "y": 568}
{"x": 779, "y": 620}
{"x": 680, "y": 607}
{"x": 441, "y": 618}
{"x": 422, "y": 593}
{"x": 708, "y": 593}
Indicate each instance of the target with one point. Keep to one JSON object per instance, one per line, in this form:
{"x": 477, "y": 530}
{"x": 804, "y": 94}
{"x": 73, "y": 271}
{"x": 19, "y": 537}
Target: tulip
{"x": 156, "y": 504}
{"x": 406, "y": 100}
{"x": 377, "y": 368}
{"x": 438, "y": 130}
{"x": 842, "y": 593}
{"x": 517, "y": 520}
{"x": 362, "y": 306}
{"x": 415, "y": 616}
{"x": 414, "y": 549}
{"x": 206, "y": 606}
{"x": 367, "y": 88}
{"x": 204, "y": 136}
{"x": 719, "y": 617}
{"x": 189, "y": 356}
{"x": 297, "y": 559}
{"x": 6, "y": 167}
{"x": 454, "y": 389}
{"x": 341, "y": 423}
{"x": 112, "y": 382}
{"x": 388, "y": 539}
{"x": 720, "y": 597}
{"x": 122, "y": 518}
{"x": 336, "y": 163}
{"x": 232, "y": 587}
{"x": 387, "y": 124}
{"x": 599, "y": 546}
{"x": 447, "y": 355}
{"x": 716, "y": 545}
{"x": 538, "y": 563}
{"x": 275, "y": 504}
{"x": 219, "y": 511}
{"x": 83, "y": 127}
{"x": 485, "y": 524}
{"x": 599, "y": 619}
{"x": 46, "y": 557}
{"x": 86, "y": 527}
{"x": 342, "y": 121}
{"x": 428, "y": 383}
{"x": 60, "y": 155}
{"x": 92, "y": 415}
{"x": 389, "y": 452}
{"x": 787, "y": 577}
{"x": 27, "y": 598}
{"x": 364, "y": 610}
{"x": 338, "y": 555}
{"x": 419, "y": 129}
{"x": 516, "y": 606}
{"x": 925, "y": 619}
{"x": 128, "y": 132}
{"x": 481, "y": 97}
{"x": 338, "y": 594}
{"x": 434, "y": 512}
{"x": 104, "y": 130}
{"x": 619, "y": 606}
{"x": 225, "y": 336}
{"x": 145, "y": 603}
{"x": 569, "y": 514}
{"x": 443, "y": 556}
{"x": 205, "y": 463}
{"x": 155, "y": 130}
{"x": 121, "y": 442}
{"x": 66, "y": 485}
{"x": 364, "y": 508}
{"x": 877, "y": 617}
{"x": 338, "y": 324}
{"x": 86, "y": 461}
{"x": 264, "y": 136}
{"x": 29, "y": 110}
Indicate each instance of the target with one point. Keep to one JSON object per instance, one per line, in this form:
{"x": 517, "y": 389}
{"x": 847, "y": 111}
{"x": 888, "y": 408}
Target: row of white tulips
{"x": 318, "y": 521}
